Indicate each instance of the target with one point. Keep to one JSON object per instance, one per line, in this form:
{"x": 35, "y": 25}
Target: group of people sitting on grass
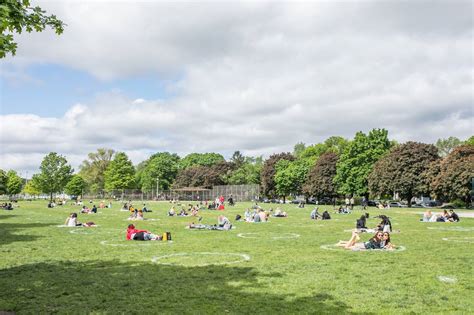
{"x": 381, "y": 240}
{"x": 136, "y": 215}
{"x": 223, "y": 224}
{"x": 6, "y": 206}
{"x": 343, "y": 210}
{"x": 72, "y": 221}
{"x": 385, "y": 225}
{"x": 315, "y": 215}
{"x": 192, "y": 211}
{"x": 452, "y": 216}
{"x": 87, "y": 210}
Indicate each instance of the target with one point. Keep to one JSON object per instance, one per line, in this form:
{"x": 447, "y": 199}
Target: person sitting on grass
{"x": 247, "y": 215}
{"x": 94, "y": 209}
{"x": 222, "y": 222}
{"x": 315, "y": 214}
{"x": 326, "y": 215}
{"x": 385, "y": 225}
{"x": 71, "y": 221}
{"x": 360, "y": 223}
{"x": 85, "y": 209}
{"x": 374, "y": 243}
{"x": 172, "y": 212}
{"x": 141, "y": 235}
{"x": 183, "y": 213}
{"x": 145, "y": 209}
{"x": 453, "y": 216}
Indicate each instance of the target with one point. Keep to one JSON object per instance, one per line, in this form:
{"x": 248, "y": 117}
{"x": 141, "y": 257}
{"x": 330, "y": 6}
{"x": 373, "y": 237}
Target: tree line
{"x": 369, "y": 165}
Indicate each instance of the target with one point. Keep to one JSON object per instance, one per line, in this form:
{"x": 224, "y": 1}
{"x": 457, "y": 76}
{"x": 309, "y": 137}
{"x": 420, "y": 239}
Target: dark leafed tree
{"x": 204, "y": 176}
{"x": 268, "y": 172}
{"x": 238, "y": 159}
{"x": 55, "y": 174}
{"x": 320, "y": 180}
{"x": 19, "y": 15}
{"x": 401, "y": 170}
{"x": 455, "y": 175}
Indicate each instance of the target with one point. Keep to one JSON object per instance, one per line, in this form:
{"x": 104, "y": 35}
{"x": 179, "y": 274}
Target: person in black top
{"x": 453, "y": 216}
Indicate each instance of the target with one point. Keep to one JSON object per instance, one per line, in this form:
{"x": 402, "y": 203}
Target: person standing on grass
{"x": 347, "y": 202}
{"x": 352, "y": 202}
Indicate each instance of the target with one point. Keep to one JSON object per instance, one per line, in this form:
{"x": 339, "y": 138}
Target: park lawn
{"x": 280, "y": 269}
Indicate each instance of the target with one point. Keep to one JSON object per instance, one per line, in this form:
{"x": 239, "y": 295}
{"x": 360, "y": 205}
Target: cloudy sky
{"x": 218, "y": 77}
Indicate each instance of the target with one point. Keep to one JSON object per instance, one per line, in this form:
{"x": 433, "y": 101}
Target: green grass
{"x": 48, "y": 269}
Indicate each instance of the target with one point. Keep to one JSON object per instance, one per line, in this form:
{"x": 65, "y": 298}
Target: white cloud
{"x": 256, "y": 77}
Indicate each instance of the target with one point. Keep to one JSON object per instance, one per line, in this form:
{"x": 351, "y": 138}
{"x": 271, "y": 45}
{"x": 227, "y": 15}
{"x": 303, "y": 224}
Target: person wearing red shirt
{"x": 141, "y": 235}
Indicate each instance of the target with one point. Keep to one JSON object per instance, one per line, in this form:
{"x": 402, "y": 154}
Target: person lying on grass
{"x": 71, "y": 221}
{"x": 223, "y": 224}
{"x": 141, "y": 235}
{"x": 280, "y": 214}
{"x": 381, "y": 240}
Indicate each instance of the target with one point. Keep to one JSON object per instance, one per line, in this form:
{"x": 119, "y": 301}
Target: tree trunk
{"x": 409, "y": 197}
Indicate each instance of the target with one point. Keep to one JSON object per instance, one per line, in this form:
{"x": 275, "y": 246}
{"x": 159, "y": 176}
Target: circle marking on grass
{"x": 133, "y": 243}
{"x": 80, "y": 231}
{"x": 282, "y": 236}
{"x": 448, "y": 279}
{"x": 459, "y": 239}
{"x": 338, "y": 248}
{"x": 452, "y": 228}
{"x": 237, "y": 258}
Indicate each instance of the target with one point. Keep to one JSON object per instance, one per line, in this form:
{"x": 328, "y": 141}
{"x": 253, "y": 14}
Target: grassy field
{"x": 274, "y": 267}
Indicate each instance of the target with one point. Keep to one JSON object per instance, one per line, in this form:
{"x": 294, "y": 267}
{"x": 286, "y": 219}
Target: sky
{"x": 255, "y": 76}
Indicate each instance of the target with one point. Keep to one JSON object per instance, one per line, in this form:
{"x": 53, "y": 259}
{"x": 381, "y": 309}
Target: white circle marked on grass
{"x": 459, "y": 239}
{"x": 338, "y": 248}
{"x": 281, "y": 236}
{"x": 452, "y": 228}
{"x": 180, "y": 259}
{"x": 133, "y": 243}
{"x": 80, "y": 231}
{"x": 448, "y": 279}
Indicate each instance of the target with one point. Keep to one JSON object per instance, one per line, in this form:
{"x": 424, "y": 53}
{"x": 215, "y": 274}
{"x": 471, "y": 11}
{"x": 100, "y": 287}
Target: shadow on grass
{"x": 7, "y": 232}
{"x": 7, "y": 216}
{"x": 114, "y": 287}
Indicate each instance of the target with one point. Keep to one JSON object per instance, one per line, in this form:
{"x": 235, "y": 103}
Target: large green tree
{"x": 93, "y": 169}
{"x": 19, "y": 15}
{"x": 3, "y": 182}
{"x": 55, "y": 173}
{"x": 269, "y": 170}
{"x": 14, "y": 183}
{"x": 455, "y": 175}
{"x": 320, "y": 180}
{"x": 247, "y": 173}
{"x": 445, "y": 146}
{"x": 203, "y": 159}
{"x": 120, "y": 174}
{"x": 401, "y": 170}
{"x": 75, "y": 186}
{"x": 32, "y": 187}
{"x": 289, "y": 177}
{"x": 161, "y": 168}
{"x": 357, "y": 160}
